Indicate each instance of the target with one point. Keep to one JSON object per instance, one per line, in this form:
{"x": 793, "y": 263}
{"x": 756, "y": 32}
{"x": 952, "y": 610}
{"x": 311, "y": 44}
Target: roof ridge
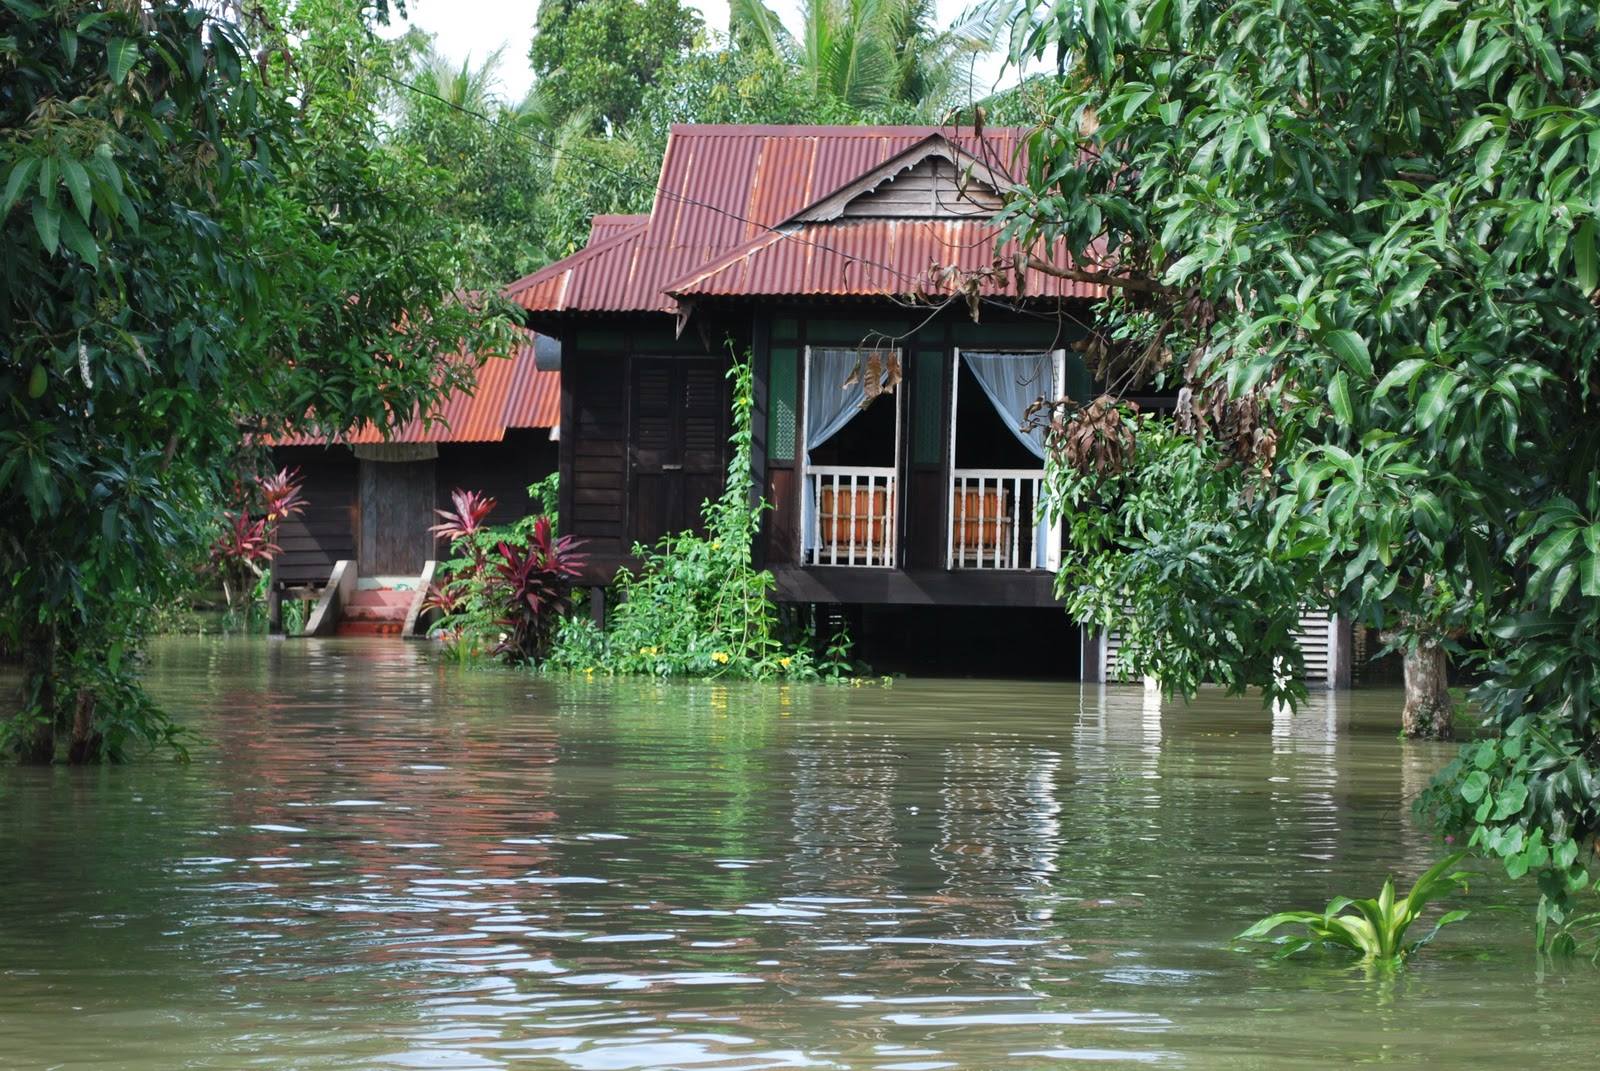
{"x": 836, "y": 129}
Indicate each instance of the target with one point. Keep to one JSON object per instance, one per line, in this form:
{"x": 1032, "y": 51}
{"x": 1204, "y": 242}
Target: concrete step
{"x": 382, "y": 597}
{"x": 374, "y": 613}
{"x": 348, "y": 627}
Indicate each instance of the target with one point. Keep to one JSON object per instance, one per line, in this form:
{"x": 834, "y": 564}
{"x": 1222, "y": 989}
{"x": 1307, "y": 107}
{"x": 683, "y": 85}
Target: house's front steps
{"x": 376, "y": 611}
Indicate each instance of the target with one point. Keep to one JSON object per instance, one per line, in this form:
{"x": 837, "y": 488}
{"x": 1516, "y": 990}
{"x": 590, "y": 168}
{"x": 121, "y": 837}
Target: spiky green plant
{"x": 1374, "y": 928}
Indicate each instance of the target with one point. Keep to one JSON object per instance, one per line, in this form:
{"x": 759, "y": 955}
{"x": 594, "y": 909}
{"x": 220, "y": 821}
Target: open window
{"x": 997, "y": 463}
{"x": 850, "y": 448}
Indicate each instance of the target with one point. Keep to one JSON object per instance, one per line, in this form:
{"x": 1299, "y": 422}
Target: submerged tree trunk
{"x": 85, "y": 745}
{"x": 37, "y": 743}
{"x": 1429, "y": 713}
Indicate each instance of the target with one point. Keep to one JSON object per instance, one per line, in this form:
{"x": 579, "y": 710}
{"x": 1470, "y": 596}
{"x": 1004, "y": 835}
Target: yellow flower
{"x": 716, "y": 544}
{"x": 784, "y": 662}
{"x": 720, "y": 657}
{"x": 647, "y": 650}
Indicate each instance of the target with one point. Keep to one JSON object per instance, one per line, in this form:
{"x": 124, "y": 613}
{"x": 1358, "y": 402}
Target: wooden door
{"x": 676, "y": 443}
{"x": 396, "y": 511}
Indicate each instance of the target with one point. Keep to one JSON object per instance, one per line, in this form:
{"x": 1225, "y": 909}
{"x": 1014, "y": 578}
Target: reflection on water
{"x": 379, "y": 862}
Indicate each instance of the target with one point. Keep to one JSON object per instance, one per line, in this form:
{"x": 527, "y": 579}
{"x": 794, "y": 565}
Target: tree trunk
{"x": 85, "y": 746}
{"x": 37, "y": 744}
{"x": 1429, "y": 712}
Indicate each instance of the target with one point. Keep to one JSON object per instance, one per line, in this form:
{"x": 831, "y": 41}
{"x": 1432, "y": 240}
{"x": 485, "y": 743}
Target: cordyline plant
{"x": 247, "y": 545}
{"x": 1361, "y": 240}
{"x": 507, "y": 589}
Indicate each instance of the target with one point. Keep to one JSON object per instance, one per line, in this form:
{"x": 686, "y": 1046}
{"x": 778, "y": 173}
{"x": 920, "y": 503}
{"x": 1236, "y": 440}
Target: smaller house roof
{"x": 511, "y": 393}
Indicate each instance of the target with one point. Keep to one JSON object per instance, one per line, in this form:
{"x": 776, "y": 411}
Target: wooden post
{"x": 274, "y": 604}
{"x": 597, "y": 606}
{"x": 1093, "y": 657}
{"x": 1340, "y": 642}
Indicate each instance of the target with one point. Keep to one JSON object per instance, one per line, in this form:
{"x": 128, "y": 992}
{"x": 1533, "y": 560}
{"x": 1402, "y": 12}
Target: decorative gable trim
{"x": 931, "y": 180}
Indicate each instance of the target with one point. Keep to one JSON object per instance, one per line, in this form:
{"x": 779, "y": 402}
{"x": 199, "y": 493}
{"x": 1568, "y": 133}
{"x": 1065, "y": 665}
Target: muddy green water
{"x": 379, "y": 862}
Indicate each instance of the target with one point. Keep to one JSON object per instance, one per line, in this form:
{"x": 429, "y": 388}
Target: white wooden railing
{"x": 852, "y": 515}
{"x": 992, "y": 518}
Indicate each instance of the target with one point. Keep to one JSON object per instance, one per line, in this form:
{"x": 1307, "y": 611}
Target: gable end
{"x": 934, "y": 188}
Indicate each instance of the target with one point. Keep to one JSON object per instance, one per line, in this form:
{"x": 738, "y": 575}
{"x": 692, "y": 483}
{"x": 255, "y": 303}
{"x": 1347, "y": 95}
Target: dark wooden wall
{"x": 326, "y": 531}
{"x": 644, "y": 432}
{"x": 332, "y": 525}
{"x": 501, "y": 470}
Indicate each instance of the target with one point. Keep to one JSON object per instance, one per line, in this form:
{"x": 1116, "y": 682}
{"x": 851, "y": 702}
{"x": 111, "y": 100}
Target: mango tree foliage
{"x": 1363, "y": 238}
{"x": 202, "y": 240}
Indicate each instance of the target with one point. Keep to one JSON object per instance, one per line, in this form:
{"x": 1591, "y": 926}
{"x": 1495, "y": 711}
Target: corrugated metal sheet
{"x": 871, "y": 257}
{"x": 510, "y": 393}
{"x": 722, "y": 187}
{"x": 605, "y": 226}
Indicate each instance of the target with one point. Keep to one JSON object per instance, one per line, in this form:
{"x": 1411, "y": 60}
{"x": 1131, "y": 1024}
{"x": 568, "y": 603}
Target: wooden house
{"x": 896, "y": 350}
{"x": 370, "y": 498}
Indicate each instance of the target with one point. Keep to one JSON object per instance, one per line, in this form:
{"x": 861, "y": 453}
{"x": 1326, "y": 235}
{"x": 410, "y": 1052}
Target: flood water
{"x": 376, "y": 861}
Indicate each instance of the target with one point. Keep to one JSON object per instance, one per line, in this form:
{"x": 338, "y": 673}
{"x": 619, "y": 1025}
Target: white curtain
{"x": 830, "y": 405}
{"x": 1012, "y": 382}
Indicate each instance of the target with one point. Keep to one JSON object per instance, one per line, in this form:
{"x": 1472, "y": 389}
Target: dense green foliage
{"x": 1362, "y": 236}
{"x": 697, "y": 606}
{"x": 494, "y": 157}
{"x": 1375, "y": 929}
{"x": 202, "y": 237}
{"x": 597, "y": 57}
{"x": 1157, "y": 548}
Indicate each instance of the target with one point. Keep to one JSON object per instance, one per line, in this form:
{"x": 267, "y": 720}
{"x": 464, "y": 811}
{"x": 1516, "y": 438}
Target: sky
{"x": 475, "y": 28}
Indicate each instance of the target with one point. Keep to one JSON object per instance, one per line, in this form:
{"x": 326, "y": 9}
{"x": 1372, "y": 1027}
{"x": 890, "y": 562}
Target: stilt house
{"x": 896, "y": 352}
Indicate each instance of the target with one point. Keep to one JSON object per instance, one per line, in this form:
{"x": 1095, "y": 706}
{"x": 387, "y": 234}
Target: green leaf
{"x": 1400, "y": 375}
{"x": 1256, "y": 127}
{"x": 1339, "y": 398}
{"x": 77, "y": 238}
{"x": 1584, "y": 263}
{"x": 78, "y": 186}
{"x": 1350, "y": 348}
{"x": 1472, "y": 131}
{"x": 121, "y": 55}
{"x": 1589, "y": 576}
{"x": 1475, "y": 785}
{"x": 1554, "y": 549}
{"x": 47, "y": 221}
{"x": 1433, "y": 403}
{"x": 21, "y": 172}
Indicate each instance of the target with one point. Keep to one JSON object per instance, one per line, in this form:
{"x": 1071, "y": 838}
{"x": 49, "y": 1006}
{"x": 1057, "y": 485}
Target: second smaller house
{"x": 370, "y": 500}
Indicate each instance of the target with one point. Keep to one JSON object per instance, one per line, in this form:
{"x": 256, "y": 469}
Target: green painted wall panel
{"x": 782, "y": 392}
{"x": 928, "y": 432}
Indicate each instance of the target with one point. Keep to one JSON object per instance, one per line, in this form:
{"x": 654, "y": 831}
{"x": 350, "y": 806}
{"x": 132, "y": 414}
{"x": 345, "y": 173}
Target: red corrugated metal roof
{"x": 872, "y": 257}
{"x": 510, "y": 393}
{"x": 721, "y": 188}
{"x": 605, "y": 225}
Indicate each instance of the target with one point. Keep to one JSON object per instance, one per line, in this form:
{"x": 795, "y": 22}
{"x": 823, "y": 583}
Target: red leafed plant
{"x": 535, "y": 588}
{"x": 506, "y": 587}
{"x": 248, "y": 542}
{"x": 459, "y": 526}
{"x": 464, "y": 520}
